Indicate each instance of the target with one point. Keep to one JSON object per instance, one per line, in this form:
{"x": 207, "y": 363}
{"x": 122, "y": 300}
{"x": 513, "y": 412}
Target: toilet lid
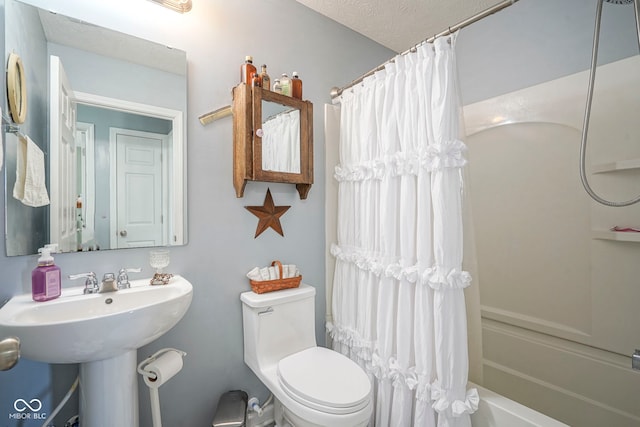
{"x": 325, "y": 380}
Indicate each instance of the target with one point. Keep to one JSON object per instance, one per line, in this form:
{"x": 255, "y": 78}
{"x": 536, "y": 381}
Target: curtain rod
{"x": 335, "y": 91}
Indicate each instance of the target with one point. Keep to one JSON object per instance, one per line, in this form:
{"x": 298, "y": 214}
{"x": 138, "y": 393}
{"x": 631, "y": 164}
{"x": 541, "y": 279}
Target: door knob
{"x": 123, "y": 233}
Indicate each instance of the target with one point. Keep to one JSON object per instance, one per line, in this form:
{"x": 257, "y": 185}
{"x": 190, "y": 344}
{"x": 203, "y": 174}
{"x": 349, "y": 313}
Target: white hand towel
{"x": 254, "y": 274}
{"x": 30, "y": 186}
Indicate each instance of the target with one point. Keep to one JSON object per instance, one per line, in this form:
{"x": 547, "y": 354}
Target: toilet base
{"x": 285, "y": 418}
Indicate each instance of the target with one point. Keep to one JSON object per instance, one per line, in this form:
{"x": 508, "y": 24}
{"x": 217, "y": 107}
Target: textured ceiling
{"x": 398, "y": 24}
{"x": 71, "y": 32}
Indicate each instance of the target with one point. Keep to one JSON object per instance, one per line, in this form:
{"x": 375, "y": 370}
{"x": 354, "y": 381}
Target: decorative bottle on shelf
{"x": 266, "y": 80}
{"x": 285, "y": 83}
{"x": 256, "y": 80}
{"x": 247, "y": 69}
{"x": 277, "y": 87}
{"x": 296, "y": 86}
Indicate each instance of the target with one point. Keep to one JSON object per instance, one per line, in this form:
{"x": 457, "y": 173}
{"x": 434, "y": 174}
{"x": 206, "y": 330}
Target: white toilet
{"x": 312, "y": 386}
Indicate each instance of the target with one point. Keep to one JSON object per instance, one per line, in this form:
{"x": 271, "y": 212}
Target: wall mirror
{"x": 280, "y": 138}
{"x": 273, "y": 139}
{"x": 108, "y": 110}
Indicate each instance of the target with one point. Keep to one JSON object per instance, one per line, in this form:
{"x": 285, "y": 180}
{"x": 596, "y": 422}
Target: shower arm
{"x": 587, "y": 113}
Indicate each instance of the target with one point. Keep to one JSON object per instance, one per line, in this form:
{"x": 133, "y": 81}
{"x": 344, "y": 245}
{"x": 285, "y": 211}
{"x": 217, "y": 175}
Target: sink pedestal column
{"x": 109, "y": 392}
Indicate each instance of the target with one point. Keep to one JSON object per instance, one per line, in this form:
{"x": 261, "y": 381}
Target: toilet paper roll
{"x": 164, "y": 368}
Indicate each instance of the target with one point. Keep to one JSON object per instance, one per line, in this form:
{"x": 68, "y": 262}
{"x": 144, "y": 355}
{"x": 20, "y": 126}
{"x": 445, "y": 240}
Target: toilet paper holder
{"x": 156, "y": 374}
{"x": 142, "y": 365}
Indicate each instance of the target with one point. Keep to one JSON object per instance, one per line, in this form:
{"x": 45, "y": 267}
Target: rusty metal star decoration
{"x": 268, "y": 215}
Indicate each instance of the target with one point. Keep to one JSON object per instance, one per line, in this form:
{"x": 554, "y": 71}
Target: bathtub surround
{"x": 398, "y": 300}
{"x": 587, "y": 272}
{"x": 559, "y": 339}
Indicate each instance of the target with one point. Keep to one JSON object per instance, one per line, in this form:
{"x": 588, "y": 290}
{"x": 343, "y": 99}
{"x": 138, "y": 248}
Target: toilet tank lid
{"x": 255, "y": 300}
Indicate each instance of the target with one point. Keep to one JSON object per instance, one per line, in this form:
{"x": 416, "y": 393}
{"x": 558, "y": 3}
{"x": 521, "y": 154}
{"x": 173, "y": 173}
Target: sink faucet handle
{"x": 123, "y": 277}
{"x": 90, "y": 285}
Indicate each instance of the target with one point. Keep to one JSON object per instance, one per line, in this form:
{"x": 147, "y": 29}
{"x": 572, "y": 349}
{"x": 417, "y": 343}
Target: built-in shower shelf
{"x": 616, "y": 166}
{"x": 620, "y": 236}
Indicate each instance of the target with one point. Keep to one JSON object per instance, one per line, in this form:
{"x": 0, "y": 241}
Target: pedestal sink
{"x": 102, "y": 332}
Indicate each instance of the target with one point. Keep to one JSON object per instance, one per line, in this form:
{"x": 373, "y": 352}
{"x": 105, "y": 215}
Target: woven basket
{"x": 262, "y": 286}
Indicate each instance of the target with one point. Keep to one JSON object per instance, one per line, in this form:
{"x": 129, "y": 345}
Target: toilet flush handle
{"x": 268, "y": 310}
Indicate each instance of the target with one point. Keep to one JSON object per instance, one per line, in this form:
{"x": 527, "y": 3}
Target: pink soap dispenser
{"x": 46, "y": 283}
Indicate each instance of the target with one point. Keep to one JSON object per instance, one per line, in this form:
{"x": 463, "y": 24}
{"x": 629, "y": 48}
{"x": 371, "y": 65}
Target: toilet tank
{"x": 277, "y": 324}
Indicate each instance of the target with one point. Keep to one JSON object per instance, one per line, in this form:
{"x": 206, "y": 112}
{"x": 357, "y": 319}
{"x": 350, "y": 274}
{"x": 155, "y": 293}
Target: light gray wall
{"x": 31, "y": 228}
{"x": 216, "y": 35}
{"x": 118, "y": 79}
{"x": 534, "y": 41}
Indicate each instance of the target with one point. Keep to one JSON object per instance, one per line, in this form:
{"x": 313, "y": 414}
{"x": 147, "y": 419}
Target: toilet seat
{"x": 324, "y": 380}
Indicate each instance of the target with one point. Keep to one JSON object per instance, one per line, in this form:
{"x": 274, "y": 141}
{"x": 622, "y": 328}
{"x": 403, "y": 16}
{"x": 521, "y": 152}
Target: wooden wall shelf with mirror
{"x": 272, "y": 139}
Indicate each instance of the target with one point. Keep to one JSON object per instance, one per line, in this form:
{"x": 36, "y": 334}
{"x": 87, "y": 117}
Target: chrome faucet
{"x": 109, "y": 282}
{"x": 90, "y": 285}
{"x": 123, "y": 277}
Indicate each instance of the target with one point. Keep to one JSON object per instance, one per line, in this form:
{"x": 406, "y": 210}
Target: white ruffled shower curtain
{"x": 398, "y": 303}
{"x": 281, "y": 142}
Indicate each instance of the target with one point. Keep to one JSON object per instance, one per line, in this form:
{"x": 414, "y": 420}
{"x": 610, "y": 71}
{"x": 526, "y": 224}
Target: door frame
{"x": 89, "y": 195}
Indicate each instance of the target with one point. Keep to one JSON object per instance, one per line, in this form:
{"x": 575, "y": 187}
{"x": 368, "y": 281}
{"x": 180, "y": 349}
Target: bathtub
{"x": 495, "y": 410}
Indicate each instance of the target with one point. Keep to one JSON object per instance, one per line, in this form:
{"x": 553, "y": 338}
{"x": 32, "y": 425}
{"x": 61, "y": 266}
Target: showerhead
{"x": 619, "y": 1}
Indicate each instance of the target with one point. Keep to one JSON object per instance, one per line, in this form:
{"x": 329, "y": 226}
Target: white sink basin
{"x": 102, "y": 332}
{"x": 77, "y": 328}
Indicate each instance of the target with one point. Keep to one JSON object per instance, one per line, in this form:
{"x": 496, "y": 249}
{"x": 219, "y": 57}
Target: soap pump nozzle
{"x": 46, "y": 258}
{"x": 53, "y": 247}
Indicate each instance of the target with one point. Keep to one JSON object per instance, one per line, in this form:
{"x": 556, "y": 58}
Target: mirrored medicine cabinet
{"x": 128, "y": 100}
{"x": 272, "y": 139}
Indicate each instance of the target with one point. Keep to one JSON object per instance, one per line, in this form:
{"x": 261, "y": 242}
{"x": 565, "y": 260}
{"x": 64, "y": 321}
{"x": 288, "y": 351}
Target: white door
{"x": 138, "y": 189}
{"x": 62, "y": 157}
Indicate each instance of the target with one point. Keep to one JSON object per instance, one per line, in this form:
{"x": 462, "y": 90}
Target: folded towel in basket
{"x": 273, "y": 273}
